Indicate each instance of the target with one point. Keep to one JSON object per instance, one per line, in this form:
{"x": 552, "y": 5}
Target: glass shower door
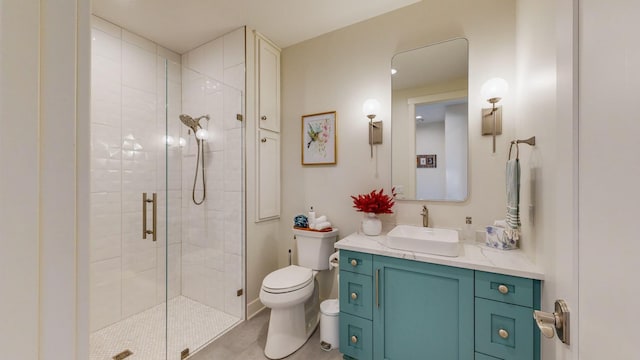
{"x": 127, "y": 264}
{"x": 205, "y": 210}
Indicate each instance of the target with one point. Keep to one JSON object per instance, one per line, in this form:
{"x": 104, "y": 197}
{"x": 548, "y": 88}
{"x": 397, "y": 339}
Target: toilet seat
{"x": 288, "y": 279}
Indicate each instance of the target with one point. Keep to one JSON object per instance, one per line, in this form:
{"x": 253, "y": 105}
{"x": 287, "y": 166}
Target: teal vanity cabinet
{"x": 396, "y": 309}
{"x": 412, "y": 321}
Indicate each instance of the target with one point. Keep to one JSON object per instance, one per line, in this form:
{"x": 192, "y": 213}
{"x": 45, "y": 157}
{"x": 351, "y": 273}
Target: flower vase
{"x": 371, "y": 224}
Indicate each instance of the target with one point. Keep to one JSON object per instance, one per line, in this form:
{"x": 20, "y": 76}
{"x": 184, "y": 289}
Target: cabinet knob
{"x": 263, "y": 140}
{"x": 263, "y": 117}
{"x": 503, "y": 289}
{"x": 503, "y": 333}
{"x": 354, "y": 296}
{"x": 354, "y": 339}
{"x": 354, "y": 262}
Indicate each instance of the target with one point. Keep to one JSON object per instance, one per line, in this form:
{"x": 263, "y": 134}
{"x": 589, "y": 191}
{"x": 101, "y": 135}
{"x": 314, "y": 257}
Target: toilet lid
{"x": 287, "y": 279}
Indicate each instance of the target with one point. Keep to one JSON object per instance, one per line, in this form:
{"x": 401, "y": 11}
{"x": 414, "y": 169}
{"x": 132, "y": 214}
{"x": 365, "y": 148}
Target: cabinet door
{"x": 268, "y": 182}
{"x": 268, "y": 86}
{"x": 423, "y": 311}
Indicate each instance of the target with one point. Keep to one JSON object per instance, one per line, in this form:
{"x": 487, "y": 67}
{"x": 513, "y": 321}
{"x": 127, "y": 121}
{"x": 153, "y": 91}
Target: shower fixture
{"x": 200, "y": 134}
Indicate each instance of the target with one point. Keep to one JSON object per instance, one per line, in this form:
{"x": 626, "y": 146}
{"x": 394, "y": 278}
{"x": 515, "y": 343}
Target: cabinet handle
{"x": 263, "y": 140}
{"x": 503, "y": 289}
{"x": 354, "y": 339}
{"x": 263, "y": 117}
{"x": 503, "y": 333}
{"x": 354, "y": 296}
{"x": 377, "y": 280}
{"x": 354, "y": 262}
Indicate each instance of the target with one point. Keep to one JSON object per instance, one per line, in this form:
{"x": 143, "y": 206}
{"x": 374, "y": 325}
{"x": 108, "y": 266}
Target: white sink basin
{"x": 422, "y": 239}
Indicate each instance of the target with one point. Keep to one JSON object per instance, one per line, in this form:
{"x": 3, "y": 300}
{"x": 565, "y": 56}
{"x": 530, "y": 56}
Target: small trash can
{"x": 329, "y": 324}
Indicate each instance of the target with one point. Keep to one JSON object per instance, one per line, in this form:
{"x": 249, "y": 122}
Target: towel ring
{"x": 517, "y": 150}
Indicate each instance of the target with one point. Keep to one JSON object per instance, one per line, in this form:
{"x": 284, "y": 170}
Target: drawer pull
{"x": 503, "y": 333}
{"x": 354, "y": 262}
{"x": 503, "y": 289}
{"x": 354, "y": 339}
{"x": 354, "y": 296}
{"x": 263, "y": 117}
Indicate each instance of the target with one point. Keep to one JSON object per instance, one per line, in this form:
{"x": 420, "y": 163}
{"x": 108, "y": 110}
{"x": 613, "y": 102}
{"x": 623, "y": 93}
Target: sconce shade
{"x": 371, "y": 108}
{"x": 495, "y": 88}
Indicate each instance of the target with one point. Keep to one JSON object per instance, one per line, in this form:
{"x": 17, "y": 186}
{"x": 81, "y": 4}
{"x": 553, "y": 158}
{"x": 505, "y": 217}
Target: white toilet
{"x": 292, "y": 294}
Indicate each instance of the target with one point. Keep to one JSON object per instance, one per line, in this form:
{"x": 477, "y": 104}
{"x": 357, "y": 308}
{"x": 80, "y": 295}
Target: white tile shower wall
{"x": 128, "y": 274}
{"x": 212, "y": 83}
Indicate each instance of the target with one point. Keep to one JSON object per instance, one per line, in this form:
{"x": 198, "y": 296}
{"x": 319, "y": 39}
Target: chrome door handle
{"x": 154, "y": 225}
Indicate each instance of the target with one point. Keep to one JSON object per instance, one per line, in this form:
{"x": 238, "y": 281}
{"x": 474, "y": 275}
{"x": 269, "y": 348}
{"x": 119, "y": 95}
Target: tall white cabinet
{"x": 267, "y": 129}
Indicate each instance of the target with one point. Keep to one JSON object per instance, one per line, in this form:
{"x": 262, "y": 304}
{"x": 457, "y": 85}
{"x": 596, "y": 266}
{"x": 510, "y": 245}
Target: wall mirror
{"x": 429, "y": 134}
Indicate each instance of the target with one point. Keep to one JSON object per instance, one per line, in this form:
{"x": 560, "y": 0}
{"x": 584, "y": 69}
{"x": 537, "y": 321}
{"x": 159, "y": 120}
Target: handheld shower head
{"x": 189, "y": 122}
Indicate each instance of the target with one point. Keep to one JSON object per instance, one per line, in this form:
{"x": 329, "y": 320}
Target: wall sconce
{"x": 370, "y": 109}
{"x": 493, "y": 90}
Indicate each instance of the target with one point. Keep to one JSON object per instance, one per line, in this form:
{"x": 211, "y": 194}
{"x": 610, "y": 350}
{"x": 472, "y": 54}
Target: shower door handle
{"x": 154, "y": 224}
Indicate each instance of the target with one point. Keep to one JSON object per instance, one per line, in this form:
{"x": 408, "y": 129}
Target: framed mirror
{"x": 429, "y": 134}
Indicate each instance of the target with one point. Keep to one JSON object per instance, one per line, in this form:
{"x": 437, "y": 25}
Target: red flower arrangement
{"x": 376, "y": 202}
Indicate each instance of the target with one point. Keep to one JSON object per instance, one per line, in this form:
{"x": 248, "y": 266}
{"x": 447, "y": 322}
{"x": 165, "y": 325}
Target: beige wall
{"x": 545, "y": 193}
{"x": 339, "y": 70}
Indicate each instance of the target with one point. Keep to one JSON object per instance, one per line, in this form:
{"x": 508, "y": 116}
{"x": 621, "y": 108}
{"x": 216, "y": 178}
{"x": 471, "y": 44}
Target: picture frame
{"x": 426, "y": 161}
{"x": 319, "y": 139}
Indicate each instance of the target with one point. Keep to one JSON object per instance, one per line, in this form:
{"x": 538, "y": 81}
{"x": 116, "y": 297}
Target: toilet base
{"x": 291, "y": 327}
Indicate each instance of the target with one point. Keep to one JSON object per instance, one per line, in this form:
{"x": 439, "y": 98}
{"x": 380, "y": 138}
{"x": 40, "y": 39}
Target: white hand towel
{"x": 321, "y": 219}
{"x": 322, "y": 225}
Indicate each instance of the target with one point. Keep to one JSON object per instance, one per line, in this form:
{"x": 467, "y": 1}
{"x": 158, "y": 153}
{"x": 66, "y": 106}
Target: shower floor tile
{"x": 191, "y": 325}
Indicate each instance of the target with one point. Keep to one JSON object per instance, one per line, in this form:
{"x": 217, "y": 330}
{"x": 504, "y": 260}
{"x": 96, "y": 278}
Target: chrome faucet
{"x": 425, "y": 216}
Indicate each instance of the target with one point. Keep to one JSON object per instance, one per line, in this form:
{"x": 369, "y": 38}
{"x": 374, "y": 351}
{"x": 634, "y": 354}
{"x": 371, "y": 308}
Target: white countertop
{"x": 473, "y": 256}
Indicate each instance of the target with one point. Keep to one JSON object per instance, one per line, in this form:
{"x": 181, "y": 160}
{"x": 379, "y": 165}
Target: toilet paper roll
{"x": 334, "y": 260}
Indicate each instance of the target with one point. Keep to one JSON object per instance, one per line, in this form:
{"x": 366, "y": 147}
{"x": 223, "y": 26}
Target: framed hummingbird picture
{"x": 319, "y": 139}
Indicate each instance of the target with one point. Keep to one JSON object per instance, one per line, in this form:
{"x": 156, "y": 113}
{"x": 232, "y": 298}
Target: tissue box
{"x": 497, "y": 238}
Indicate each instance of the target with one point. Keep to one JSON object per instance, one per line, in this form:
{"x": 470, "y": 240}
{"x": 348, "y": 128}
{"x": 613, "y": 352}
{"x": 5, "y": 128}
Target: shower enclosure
{"x": 167, "y": 266}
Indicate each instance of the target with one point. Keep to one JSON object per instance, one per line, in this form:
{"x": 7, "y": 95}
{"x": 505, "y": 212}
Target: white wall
{"x": 457, "y": 150}
{"x": 339, "y": 70}
{"x": 44, "y": 81}
{"x": 212, "y": 233}
{"x": 609, "y": 178}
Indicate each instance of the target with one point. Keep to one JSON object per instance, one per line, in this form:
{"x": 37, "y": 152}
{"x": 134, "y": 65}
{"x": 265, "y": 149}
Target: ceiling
{"x": 182, "y": 25}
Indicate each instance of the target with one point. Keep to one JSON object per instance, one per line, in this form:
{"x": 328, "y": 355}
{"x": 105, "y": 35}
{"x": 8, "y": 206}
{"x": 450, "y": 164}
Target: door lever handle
{"x": 557, "y": 321}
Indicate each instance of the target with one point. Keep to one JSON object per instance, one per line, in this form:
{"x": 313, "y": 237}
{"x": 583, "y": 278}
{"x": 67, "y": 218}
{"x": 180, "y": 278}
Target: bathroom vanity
{"x": 397, "y": 304}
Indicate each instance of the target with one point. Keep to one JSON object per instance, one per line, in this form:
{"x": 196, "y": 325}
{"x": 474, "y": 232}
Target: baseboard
{"x": 254, "y": 308}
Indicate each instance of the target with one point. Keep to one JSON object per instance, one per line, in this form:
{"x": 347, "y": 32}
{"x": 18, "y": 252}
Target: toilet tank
{"x": 315, "y": 247}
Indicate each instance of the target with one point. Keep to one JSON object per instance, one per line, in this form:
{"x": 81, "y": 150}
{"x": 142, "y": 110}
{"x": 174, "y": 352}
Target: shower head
{"x": 190, "y": 122}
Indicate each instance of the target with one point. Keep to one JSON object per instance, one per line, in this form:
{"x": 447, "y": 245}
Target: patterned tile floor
{"x": 191, "y": 325}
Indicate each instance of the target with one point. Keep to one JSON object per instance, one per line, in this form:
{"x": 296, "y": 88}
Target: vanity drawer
{"x": 503, "y": 330}
{"x": 509, "y": 289}
{"x": 356, "y": 294}
{"x": 356, "y": 262}
{"x": 356, "y": 337}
